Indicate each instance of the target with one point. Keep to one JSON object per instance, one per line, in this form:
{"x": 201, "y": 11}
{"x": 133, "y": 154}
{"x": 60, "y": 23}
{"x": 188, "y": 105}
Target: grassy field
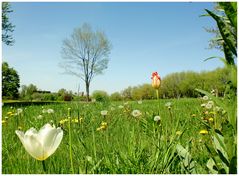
{"x": 126, "y": 145}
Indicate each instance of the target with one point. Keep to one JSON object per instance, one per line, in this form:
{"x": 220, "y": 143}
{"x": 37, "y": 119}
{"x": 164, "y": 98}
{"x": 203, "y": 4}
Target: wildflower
{"x": 155, "y": 80}
{"x": 19, "y": 111}
{"x": 157, "y": 118}
{"x": 136, "y": 113}
{"x": 205, "y": 98}
{"x": 4, "y": 121}
{"x": 208, "y": 106}
{"x": 178, "y": 132}
{"x": 203, "y": 105}
{"x": 203, "y": 132}
{"x": 19, "y": 128}
{"x": 210, "y": 102}
{"x": 168, "y": 105}
{"x": 193, "y": 115}
{"x": 50, "y": 111}
{"x": 43, "y": 143}
{"x": 63, "y": 121}
{"x": 210, "y": 119}
{"x": 9, "y": 113}
{"x": 104, "y": 113}
{"x": 75, "y": 120}
{"x": 6, "y": 117}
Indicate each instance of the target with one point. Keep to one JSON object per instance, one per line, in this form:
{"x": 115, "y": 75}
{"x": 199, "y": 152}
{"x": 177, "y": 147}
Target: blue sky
{"x": 146, "y": 37}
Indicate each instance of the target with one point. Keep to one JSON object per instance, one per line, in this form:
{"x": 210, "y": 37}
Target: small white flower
{"x": 203, "y": 105}
{"x": 19, "y": 111}
{"x": 50, "y": 111}
{"x": 104, "y": 113}
{"x": 6, "y": 117}
{"x": 210, "y": 102}
{"x": 157, "y": 118}
{"x": 205, "y": 98}
{"x": 43, "y": 143}
{"x": 168, "y": 104}
{"x": 136, "y": 113}
{"x": 140, "y": 102}
{"x": 208, "y": 106}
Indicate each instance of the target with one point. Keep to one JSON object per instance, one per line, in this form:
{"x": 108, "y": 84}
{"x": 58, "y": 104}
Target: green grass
{"x": 129, "y": 145}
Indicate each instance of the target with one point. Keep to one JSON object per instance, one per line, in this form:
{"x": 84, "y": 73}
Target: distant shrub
{"x": 67, "y": 97}
{"x": 116, "y": 96}
{"x": 100, "y": 96}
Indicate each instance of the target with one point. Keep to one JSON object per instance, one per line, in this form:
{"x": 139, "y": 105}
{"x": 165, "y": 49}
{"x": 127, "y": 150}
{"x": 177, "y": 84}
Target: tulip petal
{"x": 40, "y": 145}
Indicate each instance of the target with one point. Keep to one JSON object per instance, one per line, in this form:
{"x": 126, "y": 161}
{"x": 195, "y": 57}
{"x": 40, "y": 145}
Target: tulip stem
{"x": 70, "y": 147}
{"x": 157, "y": 93}
{"x": 44, "y": 165}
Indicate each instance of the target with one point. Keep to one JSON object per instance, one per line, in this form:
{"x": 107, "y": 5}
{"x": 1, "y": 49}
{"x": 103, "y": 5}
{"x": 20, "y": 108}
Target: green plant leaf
{"x": 233, "y": 165}
{"x": 225, "y": 32}
{"x": 212, "y": 166}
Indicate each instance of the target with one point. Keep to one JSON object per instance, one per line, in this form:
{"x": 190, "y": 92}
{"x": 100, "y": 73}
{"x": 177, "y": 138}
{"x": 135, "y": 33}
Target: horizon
{"x": 137, "y": 30}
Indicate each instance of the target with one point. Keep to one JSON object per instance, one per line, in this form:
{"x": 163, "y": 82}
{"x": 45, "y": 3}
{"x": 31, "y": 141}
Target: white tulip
{"x": 40, "y": 145}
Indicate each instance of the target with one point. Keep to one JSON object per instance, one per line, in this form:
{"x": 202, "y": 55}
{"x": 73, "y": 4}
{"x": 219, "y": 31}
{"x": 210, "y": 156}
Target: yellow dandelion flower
{"x": 210, "y": 119}
{"x": 4, "y": 121}
{"x": 9, "y": 113}
{"x": 98, "y": 129}
{"x": 103, "y": 124}
{"x": 75, "y": 120}
{"x": 203, "y": 132}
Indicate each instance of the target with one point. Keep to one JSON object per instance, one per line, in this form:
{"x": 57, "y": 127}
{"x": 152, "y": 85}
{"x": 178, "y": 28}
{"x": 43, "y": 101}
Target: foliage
{"x": 224, "y": 152}
{"x": 116, "y": 96}
{"x": 10, "y": 82}
{"x": 7, "y": 26}
{"x": 100, "y": 96}
{"x": 86, "y": 54}
{"x": 26, "y": 92}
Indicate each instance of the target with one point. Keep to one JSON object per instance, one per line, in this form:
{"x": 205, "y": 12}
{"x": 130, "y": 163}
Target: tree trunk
{"x": 87, "y": 87}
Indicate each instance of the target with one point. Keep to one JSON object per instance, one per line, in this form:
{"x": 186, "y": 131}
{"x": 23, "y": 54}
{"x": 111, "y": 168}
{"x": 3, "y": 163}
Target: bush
{"x": 116, "y": 96}
{"x": 100, "y": 96}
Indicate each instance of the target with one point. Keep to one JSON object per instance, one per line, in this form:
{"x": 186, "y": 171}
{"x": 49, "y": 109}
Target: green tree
{"x": 10, "y": 82}
{"x": 85, "y": 54}
{"x": 27, "y": 92}
{"x": 7, "y": 26}
{"x": 116, "y": 96}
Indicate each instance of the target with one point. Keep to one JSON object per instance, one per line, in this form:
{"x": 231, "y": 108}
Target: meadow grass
{"x": 128, "y": 144}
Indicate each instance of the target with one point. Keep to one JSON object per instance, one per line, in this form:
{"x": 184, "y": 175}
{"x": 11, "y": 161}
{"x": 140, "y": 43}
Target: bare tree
{"x": 85, "y": 54}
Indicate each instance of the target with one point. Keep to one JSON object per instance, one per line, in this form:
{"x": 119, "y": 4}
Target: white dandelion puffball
{"x": 104, "y": 113}
{"x": 136, "y": 113}
{"x": 157, "y": 118}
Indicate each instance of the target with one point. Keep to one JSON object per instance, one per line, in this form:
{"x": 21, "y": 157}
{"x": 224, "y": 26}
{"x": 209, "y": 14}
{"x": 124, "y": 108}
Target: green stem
{"x": 70, "y": 146}
{"x": 157, "y": 93}
{"x": 44, "y": 165}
